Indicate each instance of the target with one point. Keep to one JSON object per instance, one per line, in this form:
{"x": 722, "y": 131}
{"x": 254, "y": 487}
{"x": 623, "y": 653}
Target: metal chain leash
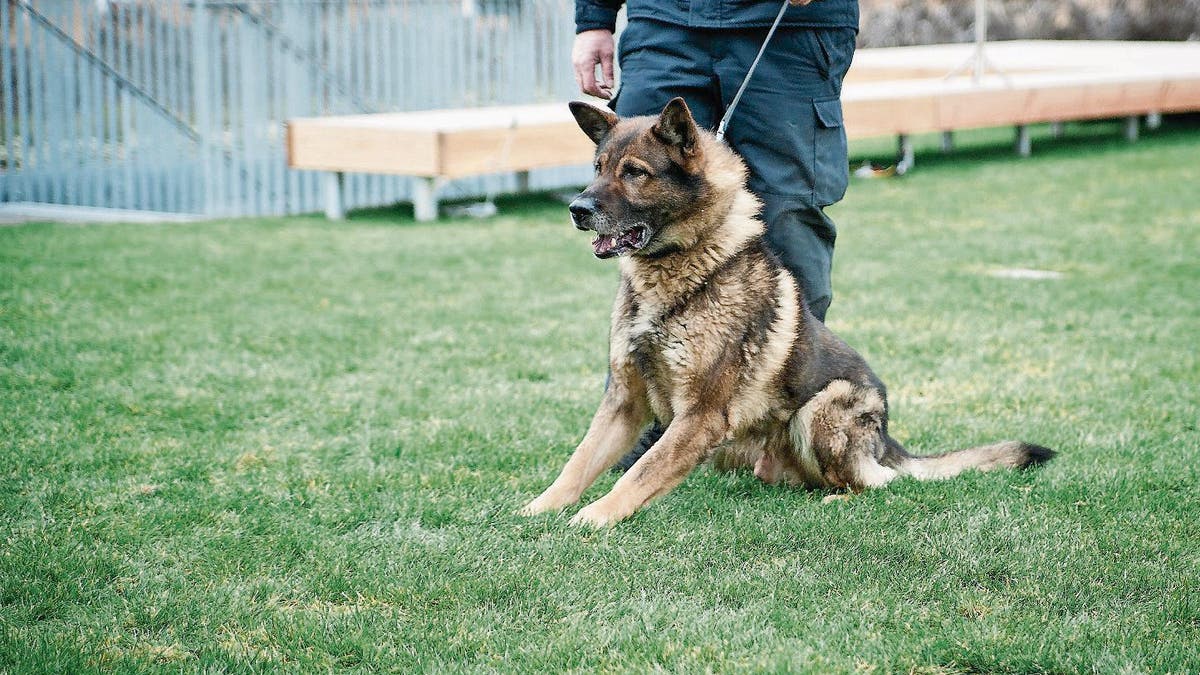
{"x": 745, "y": 81}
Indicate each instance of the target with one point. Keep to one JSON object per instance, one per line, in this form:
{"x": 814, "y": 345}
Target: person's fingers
{"x": 801, "y": 3}
{"x": 606, "y": 70}
{"x": 592, "y": 48}
{"x": 584, "y": 77}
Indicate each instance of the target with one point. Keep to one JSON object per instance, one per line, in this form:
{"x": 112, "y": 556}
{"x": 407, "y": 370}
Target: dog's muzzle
{"x": 610, "y": 241}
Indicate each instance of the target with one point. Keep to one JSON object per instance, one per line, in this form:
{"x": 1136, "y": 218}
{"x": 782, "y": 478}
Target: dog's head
{"x": 651, "y": 177}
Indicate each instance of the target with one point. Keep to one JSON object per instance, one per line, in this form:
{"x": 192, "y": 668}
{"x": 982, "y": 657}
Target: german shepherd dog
{"x": 711, "y": 336}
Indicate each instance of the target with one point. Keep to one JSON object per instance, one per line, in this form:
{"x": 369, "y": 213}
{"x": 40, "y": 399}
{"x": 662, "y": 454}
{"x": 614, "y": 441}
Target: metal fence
{"x": 179, "y": 105}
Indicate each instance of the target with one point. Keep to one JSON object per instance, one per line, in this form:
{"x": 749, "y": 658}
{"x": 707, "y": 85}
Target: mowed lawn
{"x": 291, "y": 445}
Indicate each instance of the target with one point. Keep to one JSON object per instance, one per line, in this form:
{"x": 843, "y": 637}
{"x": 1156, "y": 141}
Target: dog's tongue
{"x": 604, "y": 244}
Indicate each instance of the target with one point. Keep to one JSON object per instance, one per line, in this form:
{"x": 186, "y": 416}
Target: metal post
{"x": 333, "y": 184}
{"x": 977, "y": 64}
{"x": 981, "y": 30}
{"x": 7, "y": 115}
{"x": 1024, "y": 142}
{"x": 1132, "y": 126}
{"x": 202, "y": 93}
{"x": 425, "y": 201}
{"x": 907, "y": 154}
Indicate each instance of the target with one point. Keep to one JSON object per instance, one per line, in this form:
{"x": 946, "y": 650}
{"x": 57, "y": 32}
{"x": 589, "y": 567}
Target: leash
{"x": 738, "y": 97}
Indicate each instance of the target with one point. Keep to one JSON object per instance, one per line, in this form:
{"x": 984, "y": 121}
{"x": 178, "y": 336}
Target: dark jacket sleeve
{"x": 593, "y": 14}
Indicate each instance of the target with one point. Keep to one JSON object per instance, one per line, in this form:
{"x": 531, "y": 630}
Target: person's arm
{"x": 595, "y": 21}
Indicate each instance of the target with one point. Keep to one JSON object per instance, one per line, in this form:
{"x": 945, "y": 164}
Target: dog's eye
{"x": 635, "y": 171}
{"x": 596, "y": 166}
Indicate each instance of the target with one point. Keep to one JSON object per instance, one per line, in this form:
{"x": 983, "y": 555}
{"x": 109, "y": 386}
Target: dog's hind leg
{"x": 686, "y": 442}
{"x": 622, "y": 415}
{"x": 839, "y": 439}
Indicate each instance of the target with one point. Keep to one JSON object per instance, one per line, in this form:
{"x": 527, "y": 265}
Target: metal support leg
{"x": 1024, "y": 142}
{"x": 947, "y": 141}
{"x": 1132, "y": 127}
{"x": 522, "y": 182}
{"x": 333, "y": 184}
{"x": 1058, "y": 129}
{"x": 425, "y": 201}
{"x": 908, "y": 155}
{"x": 1153, "y": 120}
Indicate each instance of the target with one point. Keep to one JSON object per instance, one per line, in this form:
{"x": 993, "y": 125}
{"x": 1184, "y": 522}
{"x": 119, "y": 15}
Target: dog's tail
{"x": 1003, "y": 455}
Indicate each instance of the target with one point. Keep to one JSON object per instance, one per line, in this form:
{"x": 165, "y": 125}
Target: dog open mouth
{"x": 609, "y": 245}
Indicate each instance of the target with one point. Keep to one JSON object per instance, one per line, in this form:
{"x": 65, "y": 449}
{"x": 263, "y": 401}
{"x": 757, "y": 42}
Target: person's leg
{"x": 660, "y": 61}
{"x": 788, "y": 129}
{"x": 803, "y": 238}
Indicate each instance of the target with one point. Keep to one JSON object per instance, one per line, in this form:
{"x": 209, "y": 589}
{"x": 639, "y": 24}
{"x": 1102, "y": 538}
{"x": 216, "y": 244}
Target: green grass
{"x": 285, "y": 444}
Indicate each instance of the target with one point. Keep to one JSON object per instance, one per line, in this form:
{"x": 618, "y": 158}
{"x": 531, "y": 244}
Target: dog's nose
{"x": 581, "y": 211}
{"x": 582, "y": 207}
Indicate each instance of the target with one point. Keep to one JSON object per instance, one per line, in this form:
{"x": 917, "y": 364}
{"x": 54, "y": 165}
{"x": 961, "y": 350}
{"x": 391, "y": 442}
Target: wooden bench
{"x": 436, "y": 146}
{"x": 894, "y": 91}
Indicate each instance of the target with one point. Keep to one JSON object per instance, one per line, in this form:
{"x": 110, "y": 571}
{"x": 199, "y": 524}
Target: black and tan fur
{"x": 711, "y": 336}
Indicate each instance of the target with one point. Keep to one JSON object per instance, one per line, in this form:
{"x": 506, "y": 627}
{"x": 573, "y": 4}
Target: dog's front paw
{"x": 600, "y": 513}
{"x": 547, "y": 501}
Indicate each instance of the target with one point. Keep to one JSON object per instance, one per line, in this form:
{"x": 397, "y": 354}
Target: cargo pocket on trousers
{"x": 831, "y": 169}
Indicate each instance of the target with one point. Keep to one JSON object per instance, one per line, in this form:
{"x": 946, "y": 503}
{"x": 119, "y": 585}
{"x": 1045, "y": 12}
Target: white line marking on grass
{"x": 1022, "y": 273}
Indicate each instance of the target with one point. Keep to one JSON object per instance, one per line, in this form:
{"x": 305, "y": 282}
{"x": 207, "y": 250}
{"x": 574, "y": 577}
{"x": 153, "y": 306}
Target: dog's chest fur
{"x": 659, "y": 344}
{"x": 721, "y": 341}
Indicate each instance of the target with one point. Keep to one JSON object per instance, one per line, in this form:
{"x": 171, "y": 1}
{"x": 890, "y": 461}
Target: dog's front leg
{"x": 623, "y": 414}
{"x": 685, "y": 443}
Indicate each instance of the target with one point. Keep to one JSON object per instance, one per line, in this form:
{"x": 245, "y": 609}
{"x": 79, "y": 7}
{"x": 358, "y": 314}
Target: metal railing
{"x": 179, "y": 105}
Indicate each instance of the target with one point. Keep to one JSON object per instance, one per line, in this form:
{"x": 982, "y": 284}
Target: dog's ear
{"x": 677, "y": 127}
{"x": 595, "y": 121}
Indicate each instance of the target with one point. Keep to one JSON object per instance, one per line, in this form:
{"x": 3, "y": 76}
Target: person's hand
{"x": 798, "y": 3}
{"x": 592, "y": 47}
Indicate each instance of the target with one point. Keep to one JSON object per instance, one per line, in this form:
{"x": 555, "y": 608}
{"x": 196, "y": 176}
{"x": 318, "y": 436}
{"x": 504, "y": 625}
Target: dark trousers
{"x": 787, "y": 127}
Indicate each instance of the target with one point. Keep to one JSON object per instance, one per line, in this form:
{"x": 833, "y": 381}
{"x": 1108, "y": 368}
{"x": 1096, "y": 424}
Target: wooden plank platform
{"x": 443, "y": 143}
{"x": 894, "y": 91}
{"x": 1032, "y": 81}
